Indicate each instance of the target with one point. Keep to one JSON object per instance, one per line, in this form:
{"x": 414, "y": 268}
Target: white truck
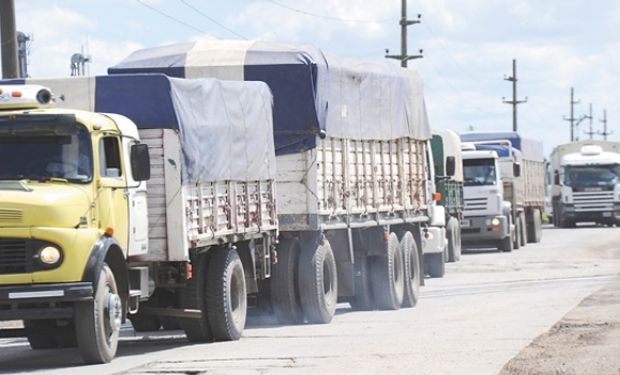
{"x": 352, "y": 170}
{"x": 586, "y": 183}
{"x": 504, "y": 190}
{"x": 86, "y": 242}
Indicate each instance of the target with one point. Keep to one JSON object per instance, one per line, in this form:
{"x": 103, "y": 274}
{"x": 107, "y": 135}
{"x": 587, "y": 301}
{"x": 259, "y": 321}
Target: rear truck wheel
{"x": 505, "y": 244}
{"x": 388, "y": 276}
{"x": 516, "y": 240}
{"x": 454, "y": 246}
{"x": 534, "y": 231}
{"x": 226, "y": 295}
{"x": 283, "y": 284}
{"x": 411, "y": 259}
{"x": 193, "y": 297}
{"x": 435, "y": 264}
{"x": 318, "y": 282}
{"x": 98, "y": 322}
{"x": 362, "y": 300}
{"x": 523, "y": 230}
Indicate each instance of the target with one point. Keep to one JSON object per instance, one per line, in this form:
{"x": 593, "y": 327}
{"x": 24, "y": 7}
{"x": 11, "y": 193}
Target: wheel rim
{"x": 237, "y": 296}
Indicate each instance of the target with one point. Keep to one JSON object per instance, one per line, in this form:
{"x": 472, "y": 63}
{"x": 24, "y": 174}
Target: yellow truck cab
{"x": 86, "y": 244}
{"x": 67, "y": 182}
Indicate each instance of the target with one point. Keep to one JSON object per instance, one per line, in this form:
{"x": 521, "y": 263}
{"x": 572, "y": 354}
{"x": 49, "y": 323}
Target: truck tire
{"x": 454, "y": 244}
{"x": 435, "y": 264}
{"x": 226, "y": 295}
{"x": 318, "y": 283}
{"x": 388, "y": 276}
{"x": 523, "y": 229}
{"x": 98, "y": 322}
{"x": 505, "y": 245}
{"x": 193, "y": 297}
{"x": 534, "y": 231}
{"x": 411, "y": 258}
{"x": 516, "y": 240}
{"x": 362, "y": 300}
{"x": 283, "y": 284}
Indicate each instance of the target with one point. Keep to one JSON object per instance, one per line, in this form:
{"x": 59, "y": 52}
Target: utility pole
{"x": 404, "y": 22}
{"x": 514, "y": 102}
{"x": 605, "y": 133}
{"x": 572, "y": 118}
{"x": 9, "y": 39}
{"x": 590, "y": 132}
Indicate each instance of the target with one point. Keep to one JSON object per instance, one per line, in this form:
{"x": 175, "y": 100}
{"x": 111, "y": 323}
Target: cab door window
{"x": 109, "y": 157}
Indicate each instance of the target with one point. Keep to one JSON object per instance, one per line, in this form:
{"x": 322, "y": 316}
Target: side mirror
{"x": 450, "y": 166}
{"x": 556, "y": 177}
{"x": 140, "y": 162}
{"x": 516, "y": 169}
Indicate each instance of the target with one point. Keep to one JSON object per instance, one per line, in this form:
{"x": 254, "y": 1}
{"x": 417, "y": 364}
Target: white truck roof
{"x": 579, "y": 158}
{"x": 479, "y": 154}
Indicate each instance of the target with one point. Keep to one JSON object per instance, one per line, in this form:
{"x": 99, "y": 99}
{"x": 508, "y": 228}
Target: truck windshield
{"x": 478, "y": 172}
{"x": 592, "y": 175}
{"x": 44, "y": 150}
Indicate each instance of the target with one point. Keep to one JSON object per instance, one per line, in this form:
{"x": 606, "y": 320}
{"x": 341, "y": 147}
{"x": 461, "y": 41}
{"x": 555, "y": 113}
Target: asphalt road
{"x": 485, "y": 310}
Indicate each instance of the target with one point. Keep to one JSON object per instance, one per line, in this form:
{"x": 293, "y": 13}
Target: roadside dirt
{"x": 585, "y": 341}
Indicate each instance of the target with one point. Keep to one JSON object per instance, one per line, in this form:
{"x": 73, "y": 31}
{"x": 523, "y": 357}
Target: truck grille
{"x": 15, "y": 256}
{"x": 475, "y": 204}
{"x": 8, "y": 216}
{"x": 593, "y": 201}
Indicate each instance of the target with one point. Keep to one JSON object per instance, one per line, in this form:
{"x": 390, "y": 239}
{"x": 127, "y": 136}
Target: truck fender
{"x": 107, "y": 250}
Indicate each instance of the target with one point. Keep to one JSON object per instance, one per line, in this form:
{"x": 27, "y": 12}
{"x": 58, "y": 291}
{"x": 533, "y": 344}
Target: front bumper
{"x": 480, "y": 229}
{"x": 44, "y": 301}
{"x": 569, "y": 212}
{"x": 436, "y": 243}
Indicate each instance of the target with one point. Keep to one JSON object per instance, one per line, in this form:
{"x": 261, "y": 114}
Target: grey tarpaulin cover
{"x": 312, "y": 92}
{"x": 225, "y": 126}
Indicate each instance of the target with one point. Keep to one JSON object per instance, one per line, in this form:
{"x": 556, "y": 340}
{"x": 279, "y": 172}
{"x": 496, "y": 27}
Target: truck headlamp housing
{"x": 495, "y": 222}
{"x": 49, "y": 255}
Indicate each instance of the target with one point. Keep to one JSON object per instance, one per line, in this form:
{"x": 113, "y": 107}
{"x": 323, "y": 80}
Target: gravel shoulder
{"x": 585, "y": 341}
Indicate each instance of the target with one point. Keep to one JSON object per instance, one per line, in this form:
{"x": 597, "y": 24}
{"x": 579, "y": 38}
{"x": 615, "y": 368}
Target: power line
{"x": 170, "y": 17}
{"x": 212, "y": 20}
{"x": 331, "y": 18}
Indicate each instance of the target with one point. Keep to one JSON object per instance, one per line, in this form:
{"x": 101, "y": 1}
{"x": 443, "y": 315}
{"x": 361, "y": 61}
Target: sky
{"x": 468, "y": 47}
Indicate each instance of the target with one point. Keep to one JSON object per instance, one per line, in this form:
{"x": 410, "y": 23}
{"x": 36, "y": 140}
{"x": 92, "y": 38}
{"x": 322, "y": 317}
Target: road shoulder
{"x": 584, "y": 341}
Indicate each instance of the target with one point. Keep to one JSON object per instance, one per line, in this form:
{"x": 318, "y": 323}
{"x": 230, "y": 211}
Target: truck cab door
{"x": 137, "y": 206}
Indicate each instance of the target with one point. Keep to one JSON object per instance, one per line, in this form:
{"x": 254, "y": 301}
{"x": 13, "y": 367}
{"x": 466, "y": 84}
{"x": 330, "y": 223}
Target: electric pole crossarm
{"x": 404, "y": 22}
{"x": 514, "y": 102}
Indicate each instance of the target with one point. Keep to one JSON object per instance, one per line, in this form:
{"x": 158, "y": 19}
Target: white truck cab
{"x": 588, "y": 187}
{"x": 487, "y": 216}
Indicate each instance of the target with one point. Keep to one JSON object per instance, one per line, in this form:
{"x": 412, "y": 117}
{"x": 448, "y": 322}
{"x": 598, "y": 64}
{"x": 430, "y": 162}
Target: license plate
{"x": 465, "y": 223}
{"x": 606, "y": 214}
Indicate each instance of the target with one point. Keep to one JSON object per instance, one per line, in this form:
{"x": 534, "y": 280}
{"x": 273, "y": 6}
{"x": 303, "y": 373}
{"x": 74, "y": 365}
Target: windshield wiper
{"x": 52, "y": 179}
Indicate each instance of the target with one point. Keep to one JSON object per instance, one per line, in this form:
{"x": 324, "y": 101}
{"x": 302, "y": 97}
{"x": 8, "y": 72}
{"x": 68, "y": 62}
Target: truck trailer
{"x": 504, "y": 190}
{"x": 353, "y": 194}
{"x": 86, "y": 242}
{"x": 448, "y": 163}
{"x": 585, "y": 183}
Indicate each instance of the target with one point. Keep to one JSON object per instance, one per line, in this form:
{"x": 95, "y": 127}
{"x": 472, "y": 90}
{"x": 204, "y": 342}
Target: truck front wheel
{"x": 454, "y": 243}
{"x": 98, "y": 322}
{"x": 505, "y": 245}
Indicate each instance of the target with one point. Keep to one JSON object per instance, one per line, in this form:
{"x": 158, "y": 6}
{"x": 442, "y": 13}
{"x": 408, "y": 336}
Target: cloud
{"x": 320, "y": 18}
{"x": 60, "y": 32}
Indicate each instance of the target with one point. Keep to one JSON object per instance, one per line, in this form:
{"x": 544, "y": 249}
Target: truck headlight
{"x": 50, "y": 255}
{"x": 495, "y": 222}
